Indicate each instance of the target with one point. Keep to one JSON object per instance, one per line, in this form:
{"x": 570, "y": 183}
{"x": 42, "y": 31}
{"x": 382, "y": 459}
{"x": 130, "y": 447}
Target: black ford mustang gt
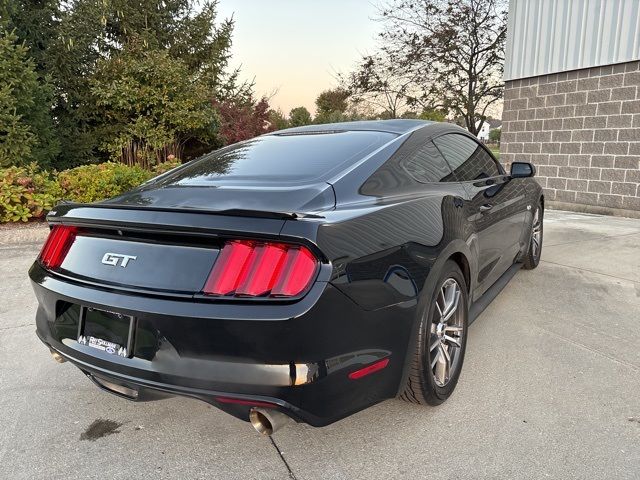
{"x": 305, "y": 274}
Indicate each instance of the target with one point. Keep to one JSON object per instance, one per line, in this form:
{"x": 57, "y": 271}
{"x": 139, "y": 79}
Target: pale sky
{"x": 297, "y": 46}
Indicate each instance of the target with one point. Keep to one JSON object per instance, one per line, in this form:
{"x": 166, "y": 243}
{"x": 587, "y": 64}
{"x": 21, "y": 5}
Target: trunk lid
{"x": 165, "y": 235}
{"x": 105, "y": 259}
{"x": 162, "y": 251}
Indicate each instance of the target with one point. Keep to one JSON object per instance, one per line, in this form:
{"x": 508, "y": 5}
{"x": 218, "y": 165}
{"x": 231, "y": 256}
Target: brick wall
{"x": 582, "y": 131}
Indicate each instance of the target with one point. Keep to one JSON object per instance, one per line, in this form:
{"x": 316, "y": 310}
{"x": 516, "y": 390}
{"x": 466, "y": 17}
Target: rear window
{"x": 289, "y": 158}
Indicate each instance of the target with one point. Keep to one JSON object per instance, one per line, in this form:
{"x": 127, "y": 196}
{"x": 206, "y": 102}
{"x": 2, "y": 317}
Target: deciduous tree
{"x": 333, "y": 100}
{"x": 388, "y": 82}
{"x": 277, "y": 119}
{"x": 148, "y": 105}
{"x": 456, "y": 45}
{"x": 299, "y": 116}
{"x": 332, "y": 105}
{"x": 242, "y": 120}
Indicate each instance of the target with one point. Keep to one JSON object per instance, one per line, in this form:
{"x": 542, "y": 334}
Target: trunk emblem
{"x": 114, "y": 258}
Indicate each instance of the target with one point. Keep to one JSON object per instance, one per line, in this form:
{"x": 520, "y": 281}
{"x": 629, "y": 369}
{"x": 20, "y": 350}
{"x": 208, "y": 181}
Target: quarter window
{"x": 415, "y": 163}
{"x": 426, "y": 165}
{"x": 468, "y": 159}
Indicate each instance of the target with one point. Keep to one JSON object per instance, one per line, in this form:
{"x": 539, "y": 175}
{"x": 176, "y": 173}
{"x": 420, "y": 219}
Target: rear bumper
{"x": 296, "y": 357}
{"x": 140, "y": 389}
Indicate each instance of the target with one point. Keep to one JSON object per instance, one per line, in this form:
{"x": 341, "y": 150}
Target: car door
{"x": 496, "y": 209}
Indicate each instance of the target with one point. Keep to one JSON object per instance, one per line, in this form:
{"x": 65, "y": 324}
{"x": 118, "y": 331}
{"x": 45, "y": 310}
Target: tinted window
{"x": 281, "y": 159}
{"x": 415, "y": 163}
{"x": 468, "y": 159}
{"x": 426, "y": 165}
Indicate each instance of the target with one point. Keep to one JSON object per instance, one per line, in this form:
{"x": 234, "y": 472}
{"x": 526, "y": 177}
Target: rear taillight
{"x": 260, "y": 269}
{"x": 57, "y": 245}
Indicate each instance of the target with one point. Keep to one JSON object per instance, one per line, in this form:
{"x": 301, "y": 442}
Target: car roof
{"x": 397, "y": 126}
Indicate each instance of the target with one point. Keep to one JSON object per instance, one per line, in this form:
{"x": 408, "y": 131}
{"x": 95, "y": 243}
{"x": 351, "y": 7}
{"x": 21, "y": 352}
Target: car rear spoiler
{"x": 173, "y": 220}
{"x": 65, "y": 207}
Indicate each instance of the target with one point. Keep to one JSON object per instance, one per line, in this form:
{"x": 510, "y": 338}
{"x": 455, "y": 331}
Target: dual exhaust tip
{"x": 266, "y": 421}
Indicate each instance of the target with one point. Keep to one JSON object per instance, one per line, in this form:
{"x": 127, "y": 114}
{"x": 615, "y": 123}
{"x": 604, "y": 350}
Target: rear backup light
{"x": 258, "y": 269}
{"x": 57, "y": 245}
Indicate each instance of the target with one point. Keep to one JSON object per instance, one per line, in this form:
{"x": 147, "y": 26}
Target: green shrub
{"x": 160, "y": 168}
{"x": 91, "y": 183}
{"x": 27, "y": 192}
{"x": 494, "y": 135}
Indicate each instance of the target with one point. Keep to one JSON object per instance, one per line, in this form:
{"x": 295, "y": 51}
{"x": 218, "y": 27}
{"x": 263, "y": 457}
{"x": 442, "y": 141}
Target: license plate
{"x": 104, "y": 345}
{"x": 109, "y": 332}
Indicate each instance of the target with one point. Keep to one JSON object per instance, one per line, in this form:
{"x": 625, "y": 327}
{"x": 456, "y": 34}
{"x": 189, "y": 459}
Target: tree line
{"x": 442, "y": 56}
{"x": 435, "y": 60}
{"x": 143, "y": 82}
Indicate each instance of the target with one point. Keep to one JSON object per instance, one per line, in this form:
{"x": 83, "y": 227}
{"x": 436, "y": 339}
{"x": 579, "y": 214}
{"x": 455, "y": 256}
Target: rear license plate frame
{"x": 122, "y": 349}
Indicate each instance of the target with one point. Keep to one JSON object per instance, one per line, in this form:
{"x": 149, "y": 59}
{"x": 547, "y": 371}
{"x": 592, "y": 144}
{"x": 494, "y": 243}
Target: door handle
{"x": 485, "y": 208}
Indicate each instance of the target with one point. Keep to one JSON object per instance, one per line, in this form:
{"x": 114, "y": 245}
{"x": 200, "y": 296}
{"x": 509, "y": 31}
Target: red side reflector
{"x": 240, "y": 401}
{"x": 57, "y": 245}
{"x": 374, "y": 367}
{"x": 257, "y": 269}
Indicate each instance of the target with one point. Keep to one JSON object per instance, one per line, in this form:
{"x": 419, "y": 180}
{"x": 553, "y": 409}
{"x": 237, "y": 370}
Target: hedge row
{"x": 29, "y": 193}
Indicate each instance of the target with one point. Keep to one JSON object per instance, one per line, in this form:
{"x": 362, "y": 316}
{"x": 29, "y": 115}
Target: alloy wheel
{"x": 536, "y": 234}
{"x": 447, "y": 332}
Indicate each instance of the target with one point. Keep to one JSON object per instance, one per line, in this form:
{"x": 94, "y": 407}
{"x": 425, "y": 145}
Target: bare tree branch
{"x": 436, "y": 54}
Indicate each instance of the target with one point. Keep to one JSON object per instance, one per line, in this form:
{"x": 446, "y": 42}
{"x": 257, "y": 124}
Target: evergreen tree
{"x": 71, "y": 44}
{"x": 25, "y": 120}
{"x": 33, "y": 22}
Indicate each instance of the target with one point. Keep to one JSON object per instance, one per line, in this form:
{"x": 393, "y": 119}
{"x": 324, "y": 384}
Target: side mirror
{"x": 522, "y": 170}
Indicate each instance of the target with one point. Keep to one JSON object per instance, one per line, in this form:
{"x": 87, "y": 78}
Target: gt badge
{"x": 114, "y": 258}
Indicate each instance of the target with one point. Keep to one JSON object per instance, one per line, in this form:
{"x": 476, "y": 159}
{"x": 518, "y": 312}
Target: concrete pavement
{"x": 550, "y": 389}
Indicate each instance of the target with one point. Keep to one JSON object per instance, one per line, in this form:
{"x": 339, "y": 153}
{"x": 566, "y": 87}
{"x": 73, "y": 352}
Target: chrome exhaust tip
{"x": 267, "y": 422}
{"x": 57, "y": 357}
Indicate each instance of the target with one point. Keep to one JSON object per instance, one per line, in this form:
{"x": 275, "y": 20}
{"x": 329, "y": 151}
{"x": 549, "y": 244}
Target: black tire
{"x": 421, "y": 386}
{"x": 532, "y": 257}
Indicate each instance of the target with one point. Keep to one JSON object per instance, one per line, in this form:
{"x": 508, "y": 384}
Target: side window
{"x": 468, "y": 159}
{"x": 426, "y": 165}
{"x": 415, "y": 163}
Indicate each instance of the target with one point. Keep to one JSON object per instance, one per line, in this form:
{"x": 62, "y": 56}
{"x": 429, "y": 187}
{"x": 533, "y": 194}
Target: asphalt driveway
{"x": 550, "y": 389}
